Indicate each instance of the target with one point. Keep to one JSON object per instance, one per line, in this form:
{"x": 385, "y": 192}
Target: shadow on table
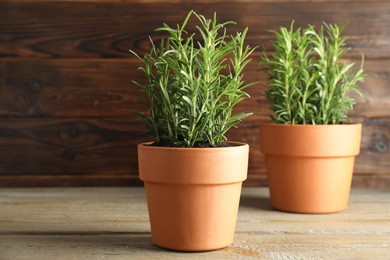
{"x": 90, "y": 245}
{"x": 256, "y": 202}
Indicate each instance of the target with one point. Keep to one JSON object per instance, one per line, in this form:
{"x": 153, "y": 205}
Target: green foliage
{"x": 308, "y": 83}
{"x": 193, "y": 85}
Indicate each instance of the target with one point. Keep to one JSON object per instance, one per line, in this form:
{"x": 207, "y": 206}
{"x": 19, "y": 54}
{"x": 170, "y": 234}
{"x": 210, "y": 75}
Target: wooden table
{"x": 112, "y": 223}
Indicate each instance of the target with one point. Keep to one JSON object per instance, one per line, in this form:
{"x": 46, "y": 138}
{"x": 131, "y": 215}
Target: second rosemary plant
{"x": 193, "y": 82}
{"x": 308, "y": 83}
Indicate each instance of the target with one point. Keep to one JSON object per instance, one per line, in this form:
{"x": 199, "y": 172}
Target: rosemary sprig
{"x": 193, "y": 85}
{"x": 308, "y": 83}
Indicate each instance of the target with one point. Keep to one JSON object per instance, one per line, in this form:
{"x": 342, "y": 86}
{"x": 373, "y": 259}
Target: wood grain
{"x": 100, "y": 223}
{"x": 66, "y": 94}
{"x": 373, "y": 159}
{"x": 69, "y": 87}
{"x": 107, "y": 147}
{"x": 106, "y": 29}
{"x": 104, "y": 180}
{"x": 68, "y": 146}
{"x": 360, "y": 180}
{"x": 103, "y": 88}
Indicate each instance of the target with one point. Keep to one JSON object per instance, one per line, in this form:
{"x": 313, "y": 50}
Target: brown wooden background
{"x": 66, "y": 96}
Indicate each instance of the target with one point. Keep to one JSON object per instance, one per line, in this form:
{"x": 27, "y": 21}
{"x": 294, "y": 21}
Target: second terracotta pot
{"x": 193, "y": 194}
{"x": 310, "y": 167}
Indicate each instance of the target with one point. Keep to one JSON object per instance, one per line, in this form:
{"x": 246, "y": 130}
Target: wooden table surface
{"x": 112, "y": 223}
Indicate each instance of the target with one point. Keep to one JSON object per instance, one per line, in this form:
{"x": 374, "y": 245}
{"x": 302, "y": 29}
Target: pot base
{"x": 193, "y": 217}
{"x": 309, "y": 185}
{"x": 310, "y": 167}
{"x": 305, "y": 211}
{"x": 191, "y": 250}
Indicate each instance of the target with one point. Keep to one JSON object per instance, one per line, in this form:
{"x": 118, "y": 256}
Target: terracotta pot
{"x": 193, "y": 194}
{"x": 310, "y": 167}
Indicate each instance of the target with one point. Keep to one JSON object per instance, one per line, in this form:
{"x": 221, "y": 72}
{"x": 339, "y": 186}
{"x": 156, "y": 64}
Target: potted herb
{"x": 192, "y": 174}
{"x": 310, "y": 147}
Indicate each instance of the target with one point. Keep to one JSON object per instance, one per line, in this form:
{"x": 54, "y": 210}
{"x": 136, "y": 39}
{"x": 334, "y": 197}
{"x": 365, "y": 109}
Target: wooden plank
{"x": 75, "y": 180}
{"x": 76, "y": 141}
{"x": 107, "y": 147}
{"x": 69, "y": 146}
{"x": 360, "y": 180}
{"x": 103, "y": 88}
{"x": 377, "y": 181}
{"x": 375, "y": 145}
{"x": 109, "y": 29}
{"x": 91, "y": 223}
{"x": 246, "y": 246}
{"x": 374, "y": 155}
{"x": 69, "y": 87}
{"x": 375, "y": 102}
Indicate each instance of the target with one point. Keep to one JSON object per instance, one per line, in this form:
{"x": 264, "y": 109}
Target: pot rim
{"x": 236, "y": 145}
{"x": 310, "y": 140}
{"x": 173, "y": 165}
{"x": 346, "y": 124}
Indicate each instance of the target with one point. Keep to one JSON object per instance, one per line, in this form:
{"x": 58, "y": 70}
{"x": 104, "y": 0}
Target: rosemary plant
{"x": 193, "y": 85}
{"x": 308, "y": 83}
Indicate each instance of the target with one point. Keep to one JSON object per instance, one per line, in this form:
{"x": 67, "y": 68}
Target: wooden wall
{"x": 66, "y": 92}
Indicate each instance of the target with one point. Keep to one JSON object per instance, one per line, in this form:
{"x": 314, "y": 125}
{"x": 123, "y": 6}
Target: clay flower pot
{"x": 310, "y": 167}
{"x": 193, "y": 194}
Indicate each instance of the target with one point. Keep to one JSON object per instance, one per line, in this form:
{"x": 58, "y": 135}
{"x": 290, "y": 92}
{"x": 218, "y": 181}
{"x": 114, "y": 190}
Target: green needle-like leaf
{"x": 194, "y": 85}
{"x": 307, "y": 82}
